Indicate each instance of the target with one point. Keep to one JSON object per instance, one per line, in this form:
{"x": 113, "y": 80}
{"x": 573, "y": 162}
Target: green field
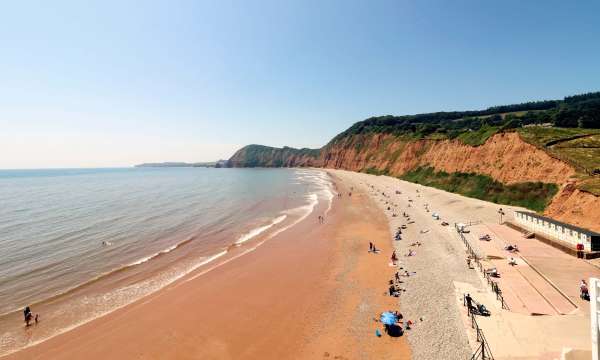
{"x": 532, "y": 195}
{"x": 579, "y": 147}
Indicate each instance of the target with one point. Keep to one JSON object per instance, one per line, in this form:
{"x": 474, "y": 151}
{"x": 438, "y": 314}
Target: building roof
{"x": 560, "y": 223}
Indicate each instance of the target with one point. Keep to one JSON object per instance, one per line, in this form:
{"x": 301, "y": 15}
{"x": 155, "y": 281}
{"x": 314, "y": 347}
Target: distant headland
{"x": 215, "y": 164}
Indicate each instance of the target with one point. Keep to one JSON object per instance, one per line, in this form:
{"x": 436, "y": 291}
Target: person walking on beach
{"x": 370, "y": 246}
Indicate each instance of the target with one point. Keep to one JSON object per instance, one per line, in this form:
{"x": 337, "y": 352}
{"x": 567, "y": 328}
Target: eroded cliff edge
{"x": 505, "y": 157}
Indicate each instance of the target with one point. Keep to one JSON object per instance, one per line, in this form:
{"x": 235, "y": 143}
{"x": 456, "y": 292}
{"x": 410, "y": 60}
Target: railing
{"x": 496, "y": 290}
{"x": 476, "y": 258}
{"x": 482, "y": 351}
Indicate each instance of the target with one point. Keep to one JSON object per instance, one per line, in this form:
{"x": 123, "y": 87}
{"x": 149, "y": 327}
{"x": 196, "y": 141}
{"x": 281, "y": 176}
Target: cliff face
{"x": 266, "y": 156}
{"x": 575, "y": 207}
{"x": 505, "y": 157}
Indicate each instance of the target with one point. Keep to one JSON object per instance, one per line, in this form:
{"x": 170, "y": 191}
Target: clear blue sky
{"x": 117, "y": 82}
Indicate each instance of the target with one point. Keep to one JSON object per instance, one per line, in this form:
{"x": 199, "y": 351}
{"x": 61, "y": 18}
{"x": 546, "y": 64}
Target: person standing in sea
{"x": 27, "y": 315}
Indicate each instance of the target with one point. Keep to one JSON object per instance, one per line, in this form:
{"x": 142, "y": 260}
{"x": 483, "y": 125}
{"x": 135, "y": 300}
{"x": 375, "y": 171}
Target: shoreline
{"x": 102, "y": 294}
{"x": 279, "y": 299}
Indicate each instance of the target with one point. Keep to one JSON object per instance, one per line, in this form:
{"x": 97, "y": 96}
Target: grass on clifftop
{"x": 545, "y": 136}
{"x": 478, "y": 137}
{"x": 532, "y": 195}
{"x": 578, "y": 147}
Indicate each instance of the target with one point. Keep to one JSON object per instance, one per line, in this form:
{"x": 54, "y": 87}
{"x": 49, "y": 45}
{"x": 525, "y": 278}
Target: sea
{"x": 76, "y": 244}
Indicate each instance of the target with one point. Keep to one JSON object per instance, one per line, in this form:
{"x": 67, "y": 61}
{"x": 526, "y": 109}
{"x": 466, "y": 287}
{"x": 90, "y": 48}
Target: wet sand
{"x": 310, "y": 292}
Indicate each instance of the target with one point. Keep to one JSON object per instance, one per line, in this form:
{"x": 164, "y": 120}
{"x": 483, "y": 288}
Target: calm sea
{"x": 78, "y": 243}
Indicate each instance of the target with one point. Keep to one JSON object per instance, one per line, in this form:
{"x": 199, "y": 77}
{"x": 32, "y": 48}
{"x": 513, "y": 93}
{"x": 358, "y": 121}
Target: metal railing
{"x": 483, "y": 350}
{"x": 477, "y": 259}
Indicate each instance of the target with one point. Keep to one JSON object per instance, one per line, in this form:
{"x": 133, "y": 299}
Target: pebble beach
{"x": 430, "y": 298}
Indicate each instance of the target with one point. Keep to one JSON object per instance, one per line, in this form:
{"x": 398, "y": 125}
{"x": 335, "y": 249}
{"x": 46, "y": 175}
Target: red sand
{"x": 310, "y": 292}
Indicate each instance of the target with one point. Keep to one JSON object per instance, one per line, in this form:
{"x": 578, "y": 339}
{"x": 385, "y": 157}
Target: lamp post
{"x": 501, "y": 212}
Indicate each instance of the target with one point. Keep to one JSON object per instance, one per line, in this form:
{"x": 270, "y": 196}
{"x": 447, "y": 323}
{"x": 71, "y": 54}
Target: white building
{"x": 556, "y": 230}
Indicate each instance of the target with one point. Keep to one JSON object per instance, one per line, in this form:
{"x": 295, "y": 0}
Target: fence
{"x": 483, "y": 351}
{"x": 476, "y": 258}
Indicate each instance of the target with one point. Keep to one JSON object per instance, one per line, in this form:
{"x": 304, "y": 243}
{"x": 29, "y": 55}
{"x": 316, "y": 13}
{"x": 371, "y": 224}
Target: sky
{"x": 115, "y": 83}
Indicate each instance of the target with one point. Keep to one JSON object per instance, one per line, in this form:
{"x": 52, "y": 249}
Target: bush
{"x": 532, "y": 195}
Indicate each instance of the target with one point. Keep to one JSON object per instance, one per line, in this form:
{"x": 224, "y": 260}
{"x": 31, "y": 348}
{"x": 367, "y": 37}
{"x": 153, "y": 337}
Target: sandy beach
{"x": 315, "y": 292}
{"x": 440, "y": 276}
{"x": 312, "y": 291}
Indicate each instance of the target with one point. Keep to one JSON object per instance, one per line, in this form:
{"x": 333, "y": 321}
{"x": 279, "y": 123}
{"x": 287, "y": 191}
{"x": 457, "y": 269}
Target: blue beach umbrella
{"x": 388, "y": 318}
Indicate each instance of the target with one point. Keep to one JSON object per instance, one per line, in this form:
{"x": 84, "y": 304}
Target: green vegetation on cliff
{"x": 375, "y": 171}
{"x": 474, "y": 127}
{"x": 567, "y": 129}
{"x": 532, "y": 195}
{"x": 267, "y": 156}
{"x": 579, "y": 147}
{"x": 478, "y": 137}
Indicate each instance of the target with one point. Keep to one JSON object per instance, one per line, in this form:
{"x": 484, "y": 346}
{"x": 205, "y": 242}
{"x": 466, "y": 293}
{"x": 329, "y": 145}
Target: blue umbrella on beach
{"x": 388, "y": 318}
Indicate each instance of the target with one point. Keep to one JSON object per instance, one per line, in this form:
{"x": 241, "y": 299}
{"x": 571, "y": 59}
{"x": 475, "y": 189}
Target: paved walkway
{"x": 524, "y": 289}
{"x": 515, "y": 333}
{"x": 562, "y": 270}
{"x": 517, "y": 336}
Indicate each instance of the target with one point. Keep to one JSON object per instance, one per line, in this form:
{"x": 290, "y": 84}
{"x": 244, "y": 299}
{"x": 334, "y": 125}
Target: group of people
{"x": 28, "y": 316}
{"x": 373, "y": 248}
{"x": 395, "y": 288}
{"x": 398, "y": 235}
{"x": 474, "y": 308}
{"x": 321, "y": 219}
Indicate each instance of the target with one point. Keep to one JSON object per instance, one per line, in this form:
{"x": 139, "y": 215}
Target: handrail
{"x": 493, "y": 284}
{"x": 482, "y": 351}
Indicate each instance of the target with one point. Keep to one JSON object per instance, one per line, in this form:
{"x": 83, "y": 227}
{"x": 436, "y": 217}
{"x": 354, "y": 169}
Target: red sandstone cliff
{"x": 505, "y": 157}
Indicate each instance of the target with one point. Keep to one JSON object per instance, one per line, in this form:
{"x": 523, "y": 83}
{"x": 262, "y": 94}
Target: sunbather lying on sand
{"x": 511, "y": 248}
{"x": 395, "y": 291}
